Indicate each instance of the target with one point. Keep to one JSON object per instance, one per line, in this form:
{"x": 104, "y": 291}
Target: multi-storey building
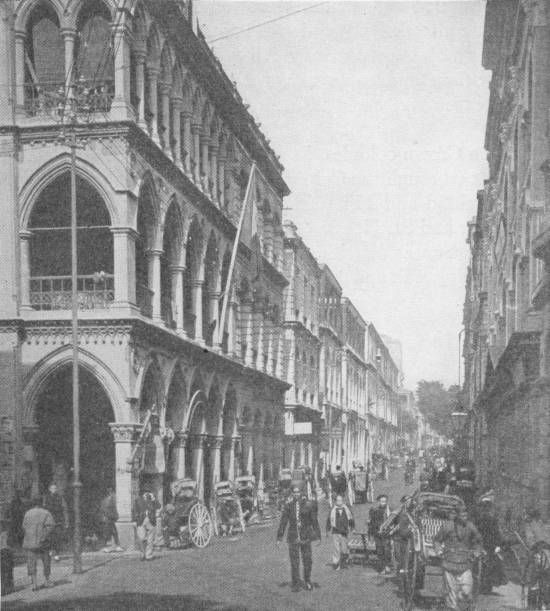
{"x": 165, "y": 148}
{"x": 354, "y": 386}
{"x": 382, "y": 389}
{"x": 330, "y": 365}
{"x": 302, "y": 349}
{"x": 506, "y": 318}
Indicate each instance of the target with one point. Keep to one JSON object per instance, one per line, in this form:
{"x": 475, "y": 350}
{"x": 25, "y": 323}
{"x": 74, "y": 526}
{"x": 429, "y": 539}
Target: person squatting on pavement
{"x": 377, "y": 516}
{"x": 55, "y": 503}
{"x": 340, "y": 522}
{"x": 461, "y": 543}
{"x": 146, "y": 508}
{"x": 38, "y": 527}
{"x": 300, "y": 516}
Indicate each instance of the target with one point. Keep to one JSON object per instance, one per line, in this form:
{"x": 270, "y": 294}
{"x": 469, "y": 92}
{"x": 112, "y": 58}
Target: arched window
{"x": 94, "y": 67}
{"x": 44, "y": 61}
{"x": 50, "y": 262}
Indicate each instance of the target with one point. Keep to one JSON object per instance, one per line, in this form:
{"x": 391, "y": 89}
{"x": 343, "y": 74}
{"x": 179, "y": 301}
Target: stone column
{"x": 270, "y": 331}
{"x": 279, "y": 372}
{"x": 122, "y": 70}
{"x": 231, "y": 327}
{"x": 216, "y": 455}
{"x": 30, "y": 435}
{"x": 196, "y": 130}
{"x": 246, "y": 314}
{"x": 164, "y": 128}
{"x": 177, "y": 105}
{"x": 177, "y": 296}
{"x": 124, "y": 248}
{"x": 205, "y": 164}
{"x": 139, "y": 55}
{"x": 213, "y": 303}
{"x": 152, "y": 76}
{"x": 231, "y": 474}
{"x": 197, "y": 301}
{"x": 69, "y": 36}
{"x": 187, "y": 142}
{"x": 259, "y": 315}
{"x": 20, "y": 65}
{"x": 25, "y": 266}
{"x": 154, "y": 281}
{"x": 181, "y": 445}
{"x": 221, "y": 181}
{"x": 199, "y": 441}
{"x": 124, "y": 436}
{"x": 214, "y": 173}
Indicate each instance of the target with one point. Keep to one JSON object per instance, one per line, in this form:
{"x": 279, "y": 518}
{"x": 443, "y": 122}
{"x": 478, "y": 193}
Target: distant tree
{"x": 437, "y": 404}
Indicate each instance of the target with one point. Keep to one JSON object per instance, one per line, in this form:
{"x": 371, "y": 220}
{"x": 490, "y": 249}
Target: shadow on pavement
{"x": 122, "y": 601}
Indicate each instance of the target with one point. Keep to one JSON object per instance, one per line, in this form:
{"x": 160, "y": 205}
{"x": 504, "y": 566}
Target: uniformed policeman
{"x": 300, "y": 516}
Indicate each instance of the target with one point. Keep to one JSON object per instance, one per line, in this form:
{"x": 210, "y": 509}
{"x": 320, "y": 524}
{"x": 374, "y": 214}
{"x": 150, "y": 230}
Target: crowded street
{"x": 246, "y": 572}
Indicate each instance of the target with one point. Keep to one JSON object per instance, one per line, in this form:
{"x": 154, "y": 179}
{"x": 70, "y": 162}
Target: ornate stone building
{"x": 165, "y": 147}
{"x": 302, "y": 350}
{"x": 507, "y": 300}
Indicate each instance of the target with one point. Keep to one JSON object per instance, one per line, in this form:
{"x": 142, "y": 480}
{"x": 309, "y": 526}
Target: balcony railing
{"x": 50, "y": 98}
{"x": 96, "y": 291}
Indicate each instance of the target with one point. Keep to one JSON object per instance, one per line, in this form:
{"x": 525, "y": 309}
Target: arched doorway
{"x": 54, "y": 444}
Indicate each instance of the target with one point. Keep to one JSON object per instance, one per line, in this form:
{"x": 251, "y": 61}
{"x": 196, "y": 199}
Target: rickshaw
{"x": 248, "y": 496}
{"x": 534, "y": 573}
{"x": 285, "y": 487}
{"x": 193, "y": 519}
{"x": 227, "y": 512}
{"x": 430, "y": 511}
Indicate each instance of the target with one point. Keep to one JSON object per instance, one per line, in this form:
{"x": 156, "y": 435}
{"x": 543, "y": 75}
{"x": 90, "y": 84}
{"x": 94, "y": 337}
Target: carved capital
{"x": 181, "y": 439}
{"x": 124, "y": 432}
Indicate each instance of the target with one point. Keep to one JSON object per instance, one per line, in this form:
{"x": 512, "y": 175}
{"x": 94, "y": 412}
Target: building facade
{"x": 383, "y": 386}
{"x": 506, "y": 324}
{"x": 303, "y": 422}
{"x": 165, "y": 148}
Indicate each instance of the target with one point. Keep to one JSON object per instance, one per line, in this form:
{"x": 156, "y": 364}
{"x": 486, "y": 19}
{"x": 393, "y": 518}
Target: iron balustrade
{"x": 50, "y": 98}
{"x": 95, "y": 291}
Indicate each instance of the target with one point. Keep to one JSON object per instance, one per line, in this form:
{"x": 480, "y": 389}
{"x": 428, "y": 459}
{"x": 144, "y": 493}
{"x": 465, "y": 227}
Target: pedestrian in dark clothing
{"x": 108, "y": 515}
{"x": 461, "y": 543}
{"x": 338, "y": 482}
{"x": 377, "y": 516}
{"x": 300, "y": 516}
{"x": 340, "y": 522}
{"x": 145, "y": 513}
{"x": 492, "y": 572}
{"x": 57, "y": 506}
{"x": 38, "y": 526}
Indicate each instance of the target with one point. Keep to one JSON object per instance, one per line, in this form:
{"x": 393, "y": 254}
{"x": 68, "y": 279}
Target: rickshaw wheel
{"x": 200, "y": 525}
{"x": 410, "y": 566}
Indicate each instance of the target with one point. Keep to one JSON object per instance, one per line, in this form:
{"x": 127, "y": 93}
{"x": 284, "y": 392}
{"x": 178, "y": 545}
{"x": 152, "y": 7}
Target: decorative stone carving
{"x": 124, "y": 432}
{"x": 108, "y": 332}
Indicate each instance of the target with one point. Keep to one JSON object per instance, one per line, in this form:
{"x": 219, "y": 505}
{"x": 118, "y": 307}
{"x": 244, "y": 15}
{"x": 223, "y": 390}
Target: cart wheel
{"x": 409, "y": 575}
{"x": 200, "y": 525}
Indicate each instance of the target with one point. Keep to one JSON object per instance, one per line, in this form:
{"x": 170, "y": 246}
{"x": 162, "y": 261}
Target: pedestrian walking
{"x": 299, "y": 516}
{"x": 377, "y": 516}
{"x": 338, "y": 483}
{"x": 108, "y": 515}
{"x": 492, "y": 570}
{"x": 55, "y": 503}
{"x": 340, "y": 523}
{"x": 38, "y": 527}
{"x": 461, "y": 544}
{"x": 145, "y": 510}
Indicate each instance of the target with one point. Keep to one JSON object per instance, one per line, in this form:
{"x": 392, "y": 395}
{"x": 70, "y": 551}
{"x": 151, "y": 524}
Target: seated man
{"x": 170, "y": 525}
{"x": 228, "y": 516}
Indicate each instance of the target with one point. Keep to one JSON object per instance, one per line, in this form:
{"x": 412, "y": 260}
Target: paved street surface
{"x": 247, "y": 572}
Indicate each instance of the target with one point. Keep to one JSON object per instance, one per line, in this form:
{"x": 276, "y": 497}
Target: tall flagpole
{"x": 227, "y": 291}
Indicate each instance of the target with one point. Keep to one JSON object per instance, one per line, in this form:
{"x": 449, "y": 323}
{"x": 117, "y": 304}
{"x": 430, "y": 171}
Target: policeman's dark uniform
{"x": 300, "y": 516}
